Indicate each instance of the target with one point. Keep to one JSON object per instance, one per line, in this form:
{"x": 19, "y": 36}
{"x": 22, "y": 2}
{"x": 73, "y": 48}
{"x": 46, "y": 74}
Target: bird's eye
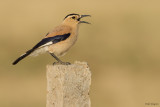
{"x": 73, "y": 17}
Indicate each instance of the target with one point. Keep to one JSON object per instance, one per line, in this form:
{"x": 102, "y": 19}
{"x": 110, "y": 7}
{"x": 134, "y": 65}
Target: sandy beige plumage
{"x": 58, "y": 41}
{"x": 60, "y": 48}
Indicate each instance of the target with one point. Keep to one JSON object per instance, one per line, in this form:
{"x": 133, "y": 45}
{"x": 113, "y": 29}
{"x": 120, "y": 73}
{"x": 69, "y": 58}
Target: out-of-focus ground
{"x": 122, "y": 48}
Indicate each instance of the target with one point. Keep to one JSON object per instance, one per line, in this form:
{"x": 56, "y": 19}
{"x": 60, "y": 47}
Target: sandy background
{"x": 122, "y": 48}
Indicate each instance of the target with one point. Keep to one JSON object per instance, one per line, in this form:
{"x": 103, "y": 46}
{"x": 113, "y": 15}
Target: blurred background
{"x": 122, "y": 48}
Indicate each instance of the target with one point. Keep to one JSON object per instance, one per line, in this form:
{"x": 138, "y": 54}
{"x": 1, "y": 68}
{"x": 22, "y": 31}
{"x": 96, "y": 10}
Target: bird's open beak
{"x": 85, "y": 21}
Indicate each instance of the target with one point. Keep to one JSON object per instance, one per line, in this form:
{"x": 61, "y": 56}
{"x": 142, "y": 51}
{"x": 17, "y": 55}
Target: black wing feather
{"x": 54, "y": 40}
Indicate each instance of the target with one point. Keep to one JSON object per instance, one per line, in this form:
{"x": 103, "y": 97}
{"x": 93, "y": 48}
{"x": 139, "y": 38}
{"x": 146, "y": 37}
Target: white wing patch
{"x": 48, "y": 43}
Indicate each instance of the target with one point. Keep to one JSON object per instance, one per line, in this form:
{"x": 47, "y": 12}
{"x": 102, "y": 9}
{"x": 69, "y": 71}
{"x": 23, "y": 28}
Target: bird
{"x": 59, "y": 40}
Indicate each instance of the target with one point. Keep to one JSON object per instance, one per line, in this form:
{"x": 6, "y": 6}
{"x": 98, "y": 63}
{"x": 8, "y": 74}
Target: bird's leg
{"x": 56, "y": 57}
{"x": 59, "y": 61}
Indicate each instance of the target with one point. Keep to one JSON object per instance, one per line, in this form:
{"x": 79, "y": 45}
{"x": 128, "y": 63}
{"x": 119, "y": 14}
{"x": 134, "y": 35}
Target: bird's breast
{"x": 62, "y": 47}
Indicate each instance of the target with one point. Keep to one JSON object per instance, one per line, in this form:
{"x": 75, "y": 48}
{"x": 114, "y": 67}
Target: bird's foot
{"x": 61, "y": 63}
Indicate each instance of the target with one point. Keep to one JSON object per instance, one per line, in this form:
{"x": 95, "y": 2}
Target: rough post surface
{"x": 68, "y": 85}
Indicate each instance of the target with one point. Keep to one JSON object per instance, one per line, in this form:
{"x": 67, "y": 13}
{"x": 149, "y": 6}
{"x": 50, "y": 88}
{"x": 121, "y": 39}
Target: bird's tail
{"x": 23, "y": 56}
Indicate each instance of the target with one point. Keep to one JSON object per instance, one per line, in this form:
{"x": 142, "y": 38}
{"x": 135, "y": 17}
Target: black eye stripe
{"x": 71, "y": 15}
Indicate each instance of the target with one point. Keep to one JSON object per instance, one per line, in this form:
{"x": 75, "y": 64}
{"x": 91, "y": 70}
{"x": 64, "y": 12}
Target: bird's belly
{"x": 39, "y": 51}
{"x": 59, "y": 49}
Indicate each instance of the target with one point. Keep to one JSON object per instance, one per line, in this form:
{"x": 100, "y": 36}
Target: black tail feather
{"x": 23, "y": 56}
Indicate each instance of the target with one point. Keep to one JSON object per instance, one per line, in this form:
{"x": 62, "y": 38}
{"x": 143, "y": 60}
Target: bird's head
{"x": 74, "y": 19}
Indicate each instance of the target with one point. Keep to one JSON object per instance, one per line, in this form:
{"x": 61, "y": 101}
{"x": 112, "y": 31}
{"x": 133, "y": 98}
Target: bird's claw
{"x": 61, "y": 63}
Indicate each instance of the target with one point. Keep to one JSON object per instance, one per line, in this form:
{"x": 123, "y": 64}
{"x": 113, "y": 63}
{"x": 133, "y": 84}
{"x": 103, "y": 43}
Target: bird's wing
{"x": 51, "y": 40}
{"x": 59, "y": 34}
